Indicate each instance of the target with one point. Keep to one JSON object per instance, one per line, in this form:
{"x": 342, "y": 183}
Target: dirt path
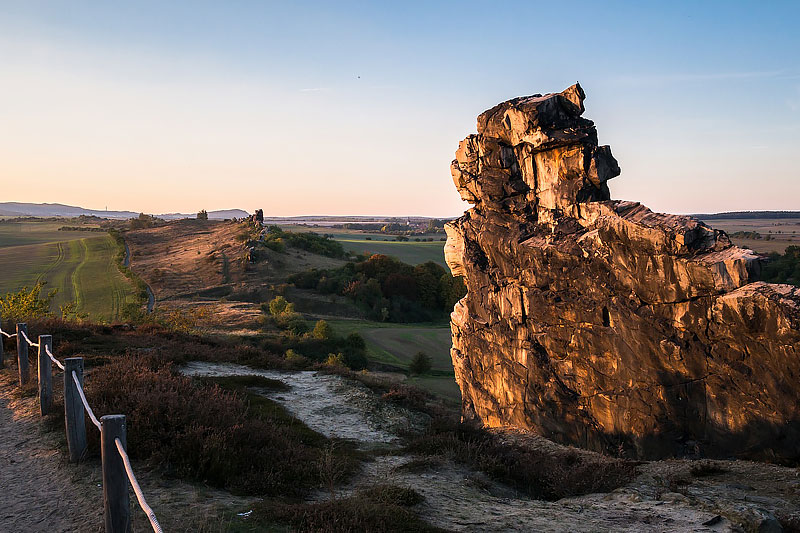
{"x": 41, "y": 491}
{"x": 38, "y": 490}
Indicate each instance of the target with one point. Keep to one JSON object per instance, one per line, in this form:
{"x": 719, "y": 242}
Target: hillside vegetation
{"x": 782, "y": 268}
{"x": 388, "y": 289}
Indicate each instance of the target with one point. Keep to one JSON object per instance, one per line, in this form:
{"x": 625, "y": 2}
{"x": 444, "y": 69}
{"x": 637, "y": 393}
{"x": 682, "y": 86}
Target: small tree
{"x": 420, "y": 364}
{"x": 202, "y": 215}
{"x": 280, "y": 305}
{"x": 322, "y": 331}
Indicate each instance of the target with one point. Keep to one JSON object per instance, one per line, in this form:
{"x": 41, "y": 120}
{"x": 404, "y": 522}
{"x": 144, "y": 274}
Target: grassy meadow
{"x": 79, "y": 264}
{"x": 396, "y": 344}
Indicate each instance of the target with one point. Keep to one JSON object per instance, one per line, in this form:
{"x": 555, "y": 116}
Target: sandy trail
{"x": 39, "y": 491}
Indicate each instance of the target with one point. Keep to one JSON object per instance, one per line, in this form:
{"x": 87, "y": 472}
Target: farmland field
{"x": 396, "y": 345}
{"x": 411, "y": 251}
{"x": 79, "y": 264}
{"x": 782, "y": 232}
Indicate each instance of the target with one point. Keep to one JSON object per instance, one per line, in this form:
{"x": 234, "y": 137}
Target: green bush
{"x": 782, "y": 268}
{"x": 280, "y": 305}
{"x": 388, "y": 289}
{"x": 26, "y": 304}
{"x": 420, "y": 364}
{"x": 277, "y": 239}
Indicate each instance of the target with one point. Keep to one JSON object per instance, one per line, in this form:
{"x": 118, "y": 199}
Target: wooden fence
{"x": 116, "y": 466}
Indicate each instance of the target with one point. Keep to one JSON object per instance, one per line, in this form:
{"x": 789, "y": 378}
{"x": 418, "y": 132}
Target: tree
{"x": 202, "y": 215}
{"x": 280, "y": 305}
{"x": 322, "y": 331}
{"x": 420, "y": 364}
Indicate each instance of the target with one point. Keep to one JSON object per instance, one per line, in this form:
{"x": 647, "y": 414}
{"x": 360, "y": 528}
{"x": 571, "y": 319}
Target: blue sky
{"x": 357, "y": 107}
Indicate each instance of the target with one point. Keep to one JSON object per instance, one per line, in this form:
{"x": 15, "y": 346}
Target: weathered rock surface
{"x": 602, "y": 324}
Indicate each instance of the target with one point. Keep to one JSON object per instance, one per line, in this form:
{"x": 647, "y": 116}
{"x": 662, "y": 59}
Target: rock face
{"x": 602, "y": 324}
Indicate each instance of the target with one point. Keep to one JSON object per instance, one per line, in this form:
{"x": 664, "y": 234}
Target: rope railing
{"x": 30, "y": 342}
{"x": 52, "y": 357}
{"x": 136, "y": 488}
{"x": 89, "y": 411}
{"x": 117, "y": 516}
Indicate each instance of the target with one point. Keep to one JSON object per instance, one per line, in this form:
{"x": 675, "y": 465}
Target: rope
{"x": 52, "y": 358}
{"x": 22, "y": 332}
{"x": 83, "y": 399}
{"x": 151, "y": 516}
{"x": 137, "y": 489}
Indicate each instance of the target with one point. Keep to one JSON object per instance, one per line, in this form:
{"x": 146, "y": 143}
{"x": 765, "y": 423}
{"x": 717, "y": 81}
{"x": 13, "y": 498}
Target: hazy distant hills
{"x": 19, "y": 209}
{"x": 747, "y": 215}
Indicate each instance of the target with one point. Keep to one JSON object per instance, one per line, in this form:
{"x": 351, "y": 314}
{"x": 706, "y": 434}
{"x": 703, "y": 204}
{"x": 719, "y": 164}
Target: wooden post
{"x": 116, "y": 497}
{"x": 45, "y": 374}
{"x": 2, "y": 339}
{"x": 22, "y": 355}
{"x": 73, "y": 409}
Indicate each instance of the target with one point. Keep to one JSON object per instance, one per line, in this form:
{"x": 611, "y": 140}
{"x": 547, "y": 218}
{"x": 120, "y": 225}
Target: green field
{"x": 396, "y": 345}
{"x": 79, "y": 264}
{"x": 410, "y": 251}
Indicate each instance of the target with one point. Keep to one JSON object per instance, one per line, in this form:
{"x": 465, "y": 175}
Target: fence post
{"x": 45, "y": 374}
{"x": 116, "y": 497}
{"x": 2, "y": 363}
{"x": 73, "y": 409}
{"x": 22, "y": 355}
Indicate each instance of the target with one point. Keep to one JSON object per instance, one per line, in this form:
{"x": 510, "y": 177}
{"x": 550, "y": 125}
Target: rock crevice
{"x": 603, "y": 324}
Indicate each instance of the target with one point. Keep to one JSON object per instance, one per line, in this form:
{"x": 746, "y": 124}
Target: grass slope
{"x": 396, "y": 345}
{"x": 82, "y": 270}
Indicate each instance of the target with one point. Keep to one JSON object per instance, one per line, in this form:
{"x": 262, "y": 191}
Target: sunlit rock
{"x": 600, "y": 323}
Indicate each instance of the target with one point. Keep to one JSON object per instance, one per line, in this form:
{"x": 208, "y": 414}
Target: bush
{"x": 540, "y": 473}
{"x": 364, "y": 511}
{"x": 388, "y": 289}
{"x": 782, "y": 268}
{"x": 280, "y": 305}
{"x": 277, "y": 239}
{"x": 335, "y": 359}
{"x": 322, "y": 331}
{"x": 26, "y": 304}
{"x": 207, "y": 434}
{"x": 420, "y": 364}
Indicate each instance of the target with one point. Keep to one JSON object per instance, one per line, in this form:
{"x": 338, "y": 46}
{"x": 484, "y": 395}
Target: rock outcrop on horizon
{"x": 599, "y": 323}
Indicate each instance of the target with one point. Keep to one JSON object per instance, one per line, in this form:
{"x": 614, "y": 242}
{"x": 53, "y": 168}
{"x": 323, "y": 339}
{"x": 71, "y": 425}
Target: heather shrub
{"x": 228, "y": 439}
{"x": 380, "y": 508}
{"x": 539, "y": 473}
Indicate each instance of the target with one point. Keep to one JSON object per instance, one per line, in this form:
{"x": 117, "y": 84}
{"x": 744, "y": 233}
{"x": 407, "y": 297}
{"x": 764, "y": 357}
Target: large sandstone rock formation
{"x": 600, "y": 323}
